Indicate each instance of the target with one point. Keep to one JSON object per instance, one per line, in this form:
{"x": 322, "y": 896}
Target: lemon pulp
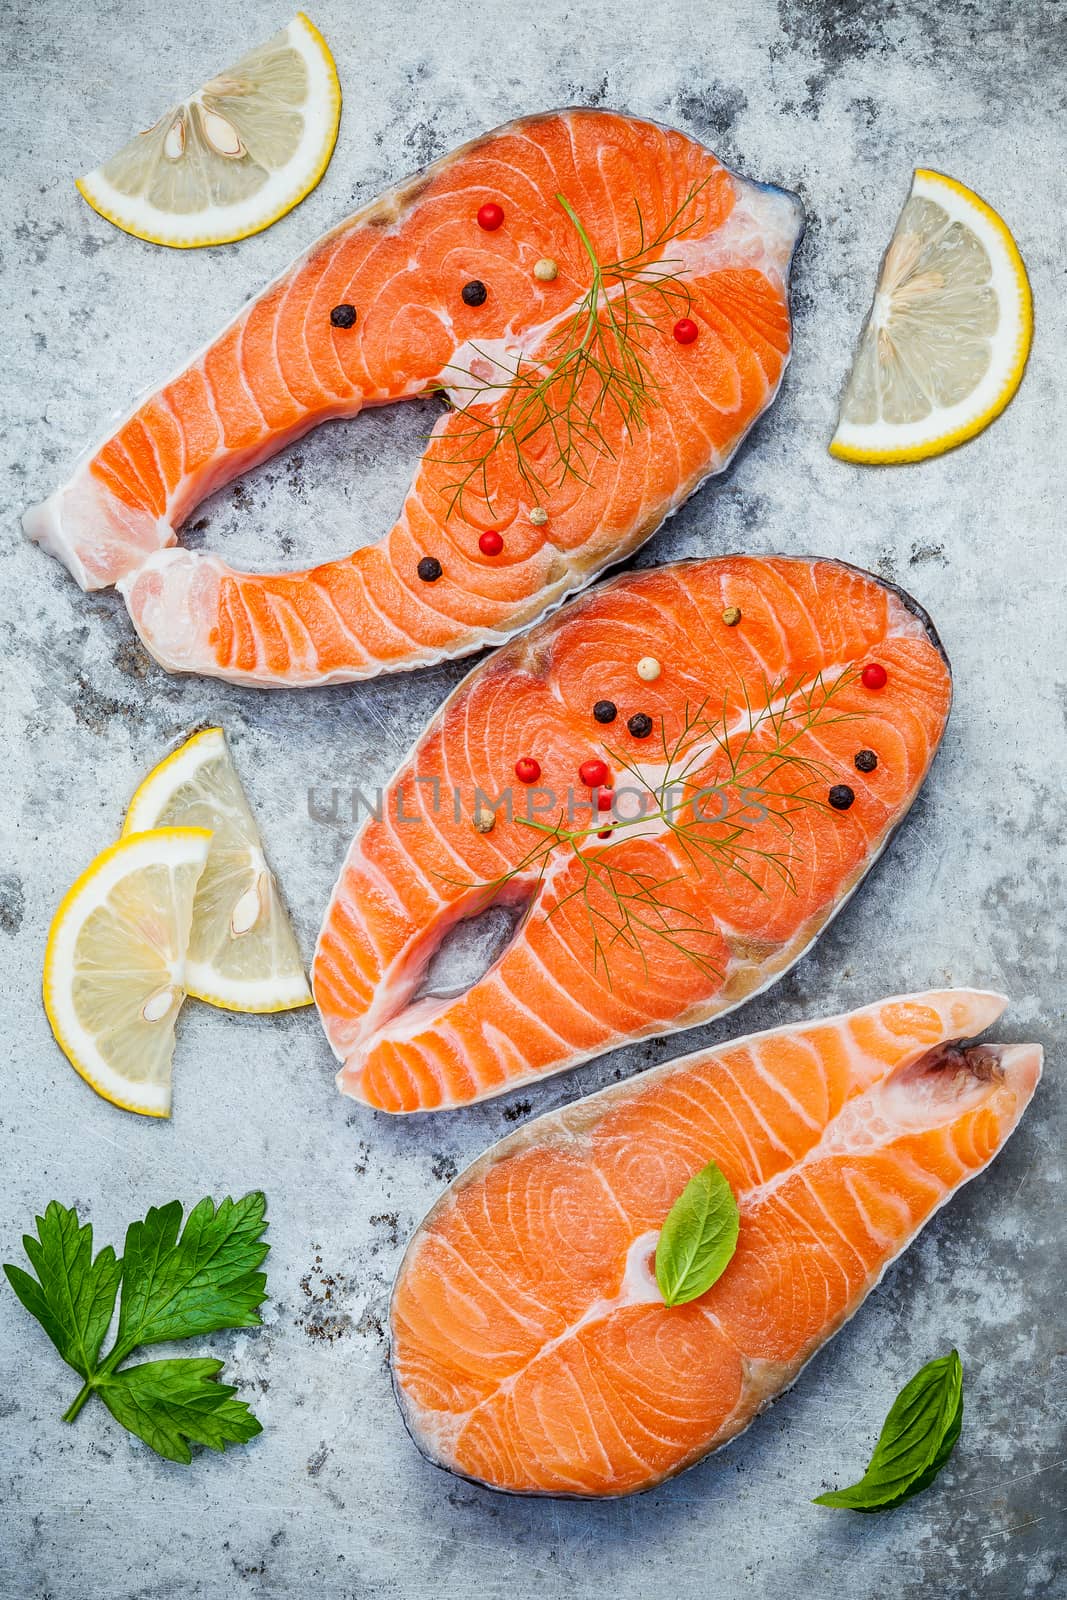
{"x": 114, "y": 969}
{"x": 236, "y": 155}
{"x": 243, "y": 954}
{"x": 946, "y": 340}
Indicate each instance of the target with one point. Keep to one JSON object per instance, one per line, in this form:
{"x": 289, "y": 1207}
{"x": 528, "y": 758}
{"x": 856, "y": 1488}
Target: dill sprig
{"x": 595, "y": 372}
{"x": 757, "y": 776}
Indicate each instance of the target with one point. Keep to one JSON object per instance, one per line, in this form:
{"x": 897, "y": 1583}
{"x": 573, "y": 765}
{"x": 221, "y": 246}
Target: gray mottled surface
{"x": 332, "y": 1500}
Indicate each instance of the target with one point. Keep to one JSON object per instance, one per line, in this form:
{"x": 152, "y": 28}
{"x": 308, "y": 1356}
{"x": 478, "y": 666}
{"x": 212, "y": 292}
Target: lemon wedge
{"x": 114, "y": 965}
{"x": 236, "y": 155}
{"x": 946, "y": 339}
{"x": 243, "y": 955}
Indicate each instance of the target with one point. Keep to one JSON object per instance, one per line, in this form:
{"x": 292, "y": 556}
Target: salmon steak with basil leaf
{"x": 533, "y": 1348}
{"x": 662, "y": 794}
{"x": 603, "y": 305}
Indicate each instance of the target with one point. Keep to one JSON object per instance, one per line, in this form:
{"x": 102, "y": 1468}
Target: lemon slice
{"x": 946, "y": 340}
{"x": 242, "y": 953}
{"x": 114, "y": 965}
{"x": 233, "y": 158}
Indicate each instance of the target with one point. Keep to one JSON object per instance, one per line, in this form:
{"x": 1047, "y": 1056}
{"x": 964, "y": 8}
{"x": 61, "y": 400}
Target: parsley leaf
{"x": 175, "y": 1288}
{"x": 167, "y": 1403}
{"x": 176, "y": 1284}
{"x": 72, "y": 1296}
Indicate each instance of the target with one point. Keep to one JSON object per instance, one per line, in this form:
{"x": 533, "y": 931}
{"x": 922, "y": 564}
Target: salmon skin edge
{"x": 521, "y": 1137}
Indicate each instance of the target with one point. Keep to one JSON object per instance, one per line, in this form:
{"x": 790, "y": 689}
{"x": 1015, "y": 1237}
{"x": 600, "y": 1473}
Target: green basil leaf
{"x": 72, "y": 1296}
{"x": 916, "y": 1440}
{"x": 169, "y": 1404}
{"x": 698, "y": 1237}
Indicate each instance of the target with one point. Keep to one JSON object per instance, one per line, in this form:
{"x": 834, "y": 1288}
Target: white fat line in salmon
{"x": 481, "y": 371}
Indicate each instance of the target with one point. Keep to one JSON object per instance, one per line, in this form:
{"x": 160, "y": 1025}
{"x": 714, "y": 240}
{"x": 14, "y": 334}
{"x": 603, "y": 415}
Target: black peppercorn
{"x": 475, "y": 293}
{"x": 429, "y": 569}
{"x": 640, "y": 725}
{"x": 343, "y": 316}
{"x": 605, "y": 711}
{"x": 866, "y": 760}
{"x": 841, "y": 797}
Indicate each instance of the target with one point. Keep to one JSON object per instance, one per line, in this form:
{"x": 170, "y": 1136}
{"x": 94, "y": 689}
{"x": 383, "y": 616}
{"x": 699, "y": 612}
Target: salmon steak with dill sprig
{"x": 532, "y": 1349}
{"x": 603, "y": 303}
{"x": 663, "y": 793}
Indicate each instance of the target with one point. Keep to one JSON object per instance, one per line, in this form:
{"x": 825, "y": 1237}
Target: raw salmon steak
{"x": 750, "y": 785}
{"x": 531, "y": 1348}
{"x": 432, "y": 300}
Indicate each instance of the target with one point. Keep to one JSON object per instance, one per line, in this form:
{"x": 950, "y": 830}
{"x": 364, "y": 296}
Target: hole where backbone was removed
{"x": 469, "y": 949}
{"x": 337, "y": 488}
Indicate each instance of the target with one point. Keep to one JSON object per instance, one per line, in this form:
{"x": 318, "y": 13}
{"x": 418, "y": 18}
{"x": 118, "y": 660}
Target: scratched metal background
{"x": 834, "y": 100}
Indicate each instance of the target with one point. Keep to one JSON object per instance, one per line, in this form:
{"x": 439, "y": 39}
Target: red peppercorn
{"x": 605, "y": 800}
{"x": 686, "y": 330}
{"x": 490, "y": 543}
{"x": 527, "y": 770}
{"x": 605, "y": 833}
{"x": 874, "y": 676}
{"x": 490, "y": 216}
{"x": 594, "y": 772}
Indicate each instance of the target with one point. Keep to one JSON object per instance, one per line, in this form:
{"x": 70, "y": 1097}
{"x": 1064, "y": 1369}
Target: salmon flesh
{"x": 587, "y": 481}
{"x": 743, "y": 811}
{"x": 531, "y": 1348}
